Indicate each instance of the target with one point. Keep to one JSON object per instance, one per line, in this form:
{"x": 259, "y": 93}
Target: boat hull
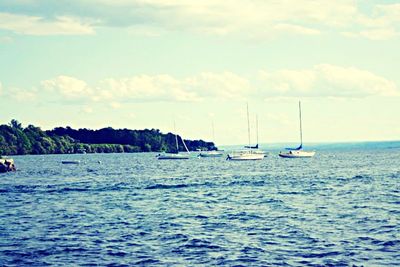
{"x": 297, "y": 154}
{"x": 172, "y": 157}
{"x": 70, "y": 162}
{"x": 210, "y": 154}
{"x": 259, "y": 152}
{"x": 245, "y": 156}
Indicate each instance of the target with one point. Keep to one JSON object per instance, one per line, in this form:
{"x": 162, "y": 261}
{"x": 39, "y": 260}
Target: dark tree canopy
{"x": 16, "y": 140}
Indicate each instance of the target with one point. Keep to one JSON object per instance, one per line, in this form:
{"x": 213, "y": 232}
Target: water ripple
{"x": 338, "y": 209}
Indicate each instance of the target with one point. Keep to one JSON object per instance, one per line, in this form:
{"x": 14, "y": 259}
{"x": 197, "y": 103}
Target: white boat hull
{"x": 245, "y": 156}
{"x": 297, "y": 154}
{"x": 260, "y": 152}
{"x": 172, "y": 156}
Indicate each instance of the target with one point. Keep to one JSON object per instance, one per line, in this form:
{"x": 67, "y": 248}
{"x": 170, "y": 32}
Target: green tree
{"x": 16, "y": 124}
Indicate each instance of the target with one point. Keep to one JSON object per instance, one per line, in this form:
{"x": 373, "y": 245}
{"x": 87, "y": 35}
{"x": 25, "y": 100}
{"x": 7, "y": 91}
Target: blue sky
{"x": 143, "y": 64}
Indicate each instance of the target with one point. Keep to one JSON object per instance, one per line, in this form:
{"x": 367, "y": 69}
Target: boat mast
{"x": 176, "y": 139}
{"x": 213, "y": 134}
{"x": 301, "y": 130}
{"x": 257, "y": 128}
{"x": 184, "y": 144}
{"x": 248, "y": 124}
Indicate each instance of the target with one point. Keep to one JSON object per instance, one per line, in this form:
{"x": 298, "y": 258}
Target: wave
{"x": 169, "y": 186}
{"x": 33, "y": 189}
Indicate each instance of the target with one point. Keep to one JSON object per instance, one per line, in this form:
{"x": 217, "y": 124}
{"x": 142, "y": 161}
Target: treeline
{"x": 17, "y": 140}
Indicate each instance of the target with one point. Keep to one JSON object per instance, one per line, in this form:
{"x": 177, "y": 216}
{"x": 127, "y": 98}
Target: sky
{"x": 140, "y": 64}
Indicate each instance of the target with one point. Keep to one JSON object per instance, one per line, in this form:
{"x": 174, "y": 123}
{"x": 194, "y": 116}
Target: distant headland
{"x": 17, "y": 140}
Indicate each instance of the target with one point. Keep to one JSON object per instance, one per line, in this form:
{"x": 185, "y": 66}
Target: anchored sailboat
{"x": 255, "y": 148}
{"x": 175, "y": 155}
{"x": 249, "y": 154}
{"x": 212, "y": 153}
{"x": 297, "y": 152}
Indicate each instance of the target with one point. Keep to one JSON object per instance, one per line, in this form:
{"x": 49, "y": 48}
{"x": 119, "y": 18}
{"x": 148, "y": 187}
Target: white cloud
{"x": 34, "y": 25}
{"x": 22, "y": 95}
{"x": 322, "y": 80}
{"x": 142, "y": 88}
{"x": 391, "y": 12}
{"x": 257, "y": 18}
{"x": 167, "y": 88}
{"x": 284, "y": 81}
{"x": 145, "y": 87}
{"x": 68, "y": 86}
{"x": 252, "y": 18}
{"x": 326, "y": 80}
{"x": 383, "y": 24}
{"x": 19, "y": 94}
{"x": 266, "y": 18}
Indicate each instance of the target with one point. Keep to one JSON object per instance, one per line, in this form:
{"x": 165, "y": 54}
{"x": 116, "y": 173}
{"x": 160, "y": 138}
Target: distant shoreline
{"x": 31, "y": 140}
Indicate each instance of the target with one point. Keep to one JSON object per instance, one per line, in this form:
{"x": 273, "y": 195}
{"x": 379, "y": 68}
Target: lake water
{"x": 339, "y": 208}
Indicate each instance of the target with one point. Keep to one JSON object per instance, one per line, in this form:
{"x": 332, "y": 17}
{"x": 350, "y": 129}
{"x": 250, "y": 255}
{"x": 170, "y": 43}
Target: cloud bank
{"x": 34, "y": 25}
{"x": 326, "y": 80}
{"x": 250, "y": 19}
{"x": 323, "y": 80}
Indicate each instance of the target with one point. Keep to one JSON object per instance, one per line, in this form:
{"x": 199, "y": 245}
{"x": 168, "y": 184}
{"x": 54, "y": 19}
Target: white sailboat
{"x": 245, "y": 155}
{"x": 212, "y": 153}
{"x": 255, "y": 148}
{"x": 249, "y": 154}
{"x": 175, "y": 155}
{"x": 297, "y": 152}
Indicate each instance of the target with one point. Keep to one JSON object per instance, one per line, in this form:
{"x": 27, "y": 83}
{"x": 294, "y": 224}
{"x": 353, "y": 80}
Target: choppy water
{"x": 339, "y": 208}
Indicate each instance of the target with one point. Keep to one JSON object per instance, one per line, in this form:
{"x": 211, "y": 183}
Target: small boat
{"x": 255, "y": 149}
{"x": 211, "y": 153}
{"x": 252, "y": 153}
{"x": 172, "y": 156}
{"x": 71, "y": 162}
{"x": 245, "y": 155}
{"x": 176, "y": 155}
{"x": 297, "y": 152}
{"x": 250, "y": 146}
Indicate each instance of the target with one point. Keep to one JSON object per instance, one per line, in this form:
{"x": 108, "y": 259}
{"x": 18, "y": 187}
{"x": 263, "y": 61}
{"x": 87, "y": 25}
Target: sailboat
{"x": 249, "y": 154}
{"x": 255, "y": 148}
{"x": 175, "y": 155}
{"x": 297, "y": 152}
{"x": 211, "y": 153}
